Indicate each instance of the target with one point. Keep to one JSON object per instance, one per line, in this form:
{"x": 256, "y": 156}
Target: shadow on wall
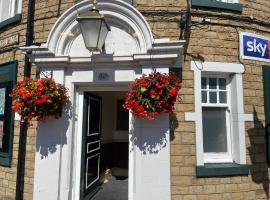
{"x": 153, "y": 137}
{"x": 173, "y": 125}
{"x": 157, "y": 137}
{"x": 174, "y": 121}
{"x": 52, "y": 133}
{"x": 257, "y": 152}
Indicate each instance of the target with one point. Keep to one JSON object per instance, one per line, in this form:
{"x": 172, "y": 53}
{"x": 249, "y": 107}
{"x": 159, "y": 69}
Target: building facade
{"x": 214, "y": 145}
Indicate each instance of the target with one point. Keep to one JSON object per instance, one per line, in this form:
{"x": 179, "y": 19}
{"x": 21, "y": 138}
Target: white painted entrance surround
{"x": 130, "y": 52}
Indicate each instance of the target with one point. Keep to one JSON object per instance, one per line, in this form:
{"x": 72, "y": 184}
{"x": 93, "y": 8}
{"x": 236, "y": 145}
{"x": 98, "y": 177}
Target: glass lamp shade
{"x": 94, "y": 31}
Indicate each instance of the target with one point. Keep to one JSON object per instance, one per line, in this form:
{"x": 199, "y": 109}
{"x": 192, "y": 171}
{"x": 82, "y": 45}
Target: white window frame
{"x": 220, "y": 157}
{"x": 15, "y": 8}
{"x": 229, "y": 1}
{"x": 234, "y": 71}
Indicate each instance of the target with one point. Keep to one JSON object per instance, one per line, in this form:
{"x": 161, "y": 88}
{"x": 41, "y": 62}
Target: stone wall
{"x": 46, "y": 14}
{"x": 216, "y": 41}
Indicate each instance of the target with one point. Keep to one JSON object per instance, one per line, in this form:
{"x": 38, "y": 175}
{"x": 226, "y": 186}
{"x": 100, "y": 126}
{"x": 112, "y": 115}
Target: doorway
{"x": 104, "y": 163}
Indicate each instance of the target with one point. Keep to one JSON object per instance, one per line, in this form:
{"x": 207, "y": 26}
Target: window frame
{"x": 266, "y": 83}
{"x": 226, "y": 1}
{"x": 127, "y": 1}
{"x": 14, "y": 13}
{"x": 10, "y": 72}
{"x": 214, "y": 4}
{"x": 234, "y": 71}
{"x": 219, "y": 157}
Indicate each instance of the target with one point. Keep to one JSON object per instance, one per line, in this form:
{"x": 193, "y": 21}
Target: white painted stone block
{"x": 151, "y": 151}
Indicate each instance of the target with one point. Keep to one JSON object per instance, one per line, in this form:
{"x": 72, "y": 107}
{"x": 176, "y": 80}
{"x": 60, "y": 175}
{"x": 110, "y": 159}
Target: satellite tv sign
{"x": 254, "y": 47}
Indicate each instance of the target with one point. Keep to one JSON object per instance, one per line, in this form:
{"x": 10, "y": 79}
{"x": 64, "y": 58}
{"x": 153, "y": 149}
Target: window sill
{"x": 237, "y": 7}
{"x": 222, "y": 169}
{"x": 5, "y": 160}
{"x": 11, "y": 20}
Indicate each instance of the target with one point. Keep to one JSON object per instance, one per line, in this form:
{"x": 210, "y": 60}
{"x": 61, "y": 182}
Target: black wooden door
{"x": 91, "y": 146}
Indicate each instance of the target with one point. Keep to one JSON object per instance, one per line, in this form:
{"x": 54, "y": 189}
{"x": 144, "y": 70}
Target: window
{"x": 7, "y": 80}
{"x": 219, "y": 118}
{"x": 216, "y": 120}
{"x": 229, "y": 5}
{"x": 5, "y": 104}
{"x": 9, "y": 9}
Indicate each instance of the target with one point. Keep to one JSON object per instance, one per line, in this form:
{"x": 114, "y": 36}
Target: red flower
{"x": 158, "y": 95}
{"x": 160, "y": 86}
{"x": 39, "y": 93}
{"x": 139, "y": 109}
{"x": 173, "y": 92}
{"x": 152, "y": 92}
{"x": 38, "y": 99}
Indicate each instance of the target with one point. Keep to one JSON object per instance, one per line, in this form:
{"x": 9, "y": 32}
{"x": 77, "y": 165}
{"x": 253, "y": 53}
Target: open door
{"x": 90, "y": 171}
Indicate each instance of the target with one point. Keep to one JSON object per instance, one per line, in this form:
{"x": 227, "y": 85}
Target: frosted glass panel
{"x": 214, "y": 130}
{"x": 213, "y": 97}
{"x": 212, "y": 83}
{"x": 222, "y": 83}
{"x": 204, "y": 97}
{"x": 204, "y": 83}
{"x": 222, "y": 97}
{"x": 5, "y": 9}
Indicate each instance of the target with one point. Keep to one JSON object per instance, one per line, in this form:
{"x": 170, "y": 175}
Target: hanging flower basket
{"x": 39, "y": 99}
{"x": 152, "y": 95}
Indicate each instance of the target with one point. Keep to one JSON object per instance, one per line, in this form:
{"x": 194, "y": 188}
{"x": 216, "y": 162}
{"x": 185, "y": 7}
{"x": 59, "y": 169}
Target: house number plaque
{"x": 103, "y": 76}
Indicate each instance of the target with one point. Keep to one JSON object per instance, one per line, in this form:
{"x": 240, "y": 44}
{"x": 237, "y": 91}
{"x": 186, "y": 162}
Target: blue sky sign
{"x": 254, "y": 47}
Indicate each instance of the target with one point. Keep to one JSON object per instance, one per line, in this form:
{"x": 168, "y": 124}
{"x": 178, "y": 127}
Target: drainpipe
{"x": 23, "y": 125}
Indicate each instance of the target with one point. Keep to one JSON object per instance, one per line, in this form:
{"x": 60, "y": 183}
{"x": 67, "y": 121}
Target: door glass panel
{"x": 214, "y": 129}
{"x": 92, "y": 170}
{"x": 94, "y": 123}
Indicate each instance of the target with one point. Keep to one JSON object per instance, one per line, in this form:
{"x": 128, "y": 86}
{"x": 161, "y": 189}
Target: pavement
{"x": 114, "y": 189}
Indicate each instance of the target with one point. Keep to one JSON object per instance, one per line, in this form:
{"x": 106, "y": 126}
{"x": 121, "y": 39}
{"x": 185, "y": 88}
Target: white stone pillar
{"x": 51, "y": 180}
{"x": 150, "y": 159}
